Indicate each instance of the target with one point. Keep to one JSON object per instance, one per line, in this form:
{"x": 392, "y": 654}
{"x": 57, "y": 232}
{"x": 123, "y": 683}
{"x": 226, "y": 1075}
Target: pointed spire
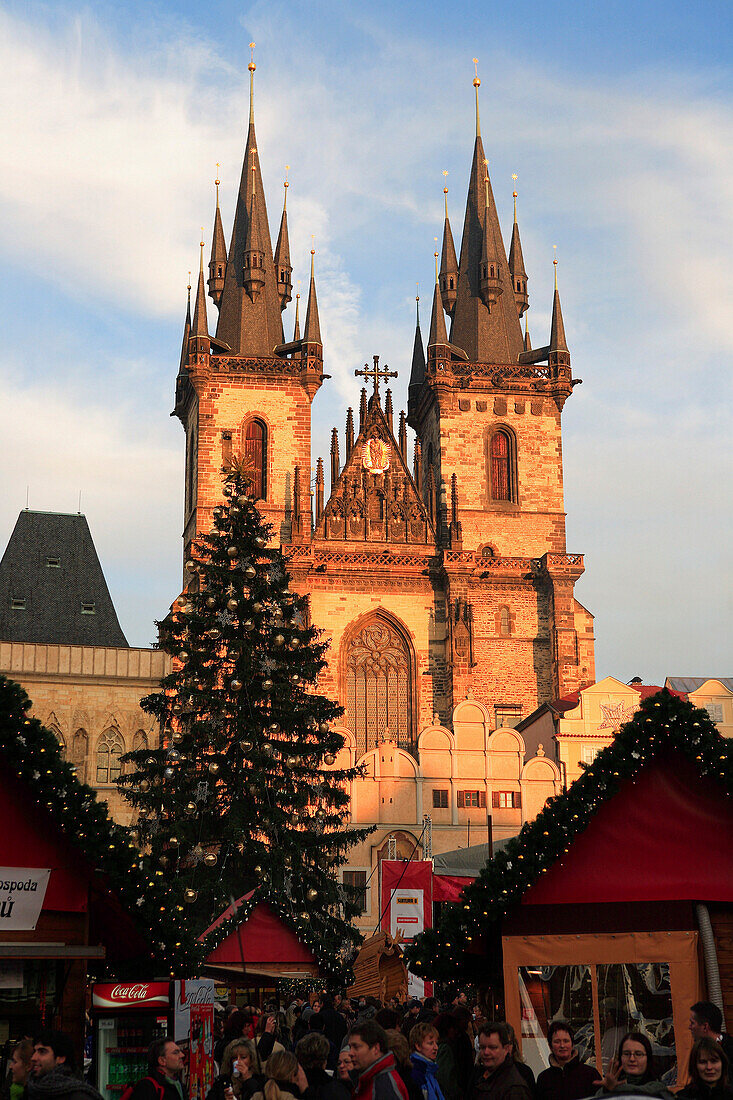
{"x": 283, "y": 266}
{"x": 312, "y": 330}
{"x": 485, "y": 336}
{"x": 319, "y": 489}
{"x": 557, "y": 329}
{"x": 200, "y": 324}
{"x": 362, "y": 410}
{"x": 516, "y": 264}
{"x": 417, "y": 371}
{"x": 388, "y": 413}
{"x": 438, "y": 333}
{"x": 186, "y": 325}
{"x": 296, "y": 330}
{"x": 218, "y": 261}
{"x": 490, "y": 281}
{"x": 349, "y": 432}
{"x": 250, "y": 324}
{"x": 335, "y": 463}
{"x": 417, "y": 465}
{"x": 448, "y": 264}
{"x": 402, "y": 435}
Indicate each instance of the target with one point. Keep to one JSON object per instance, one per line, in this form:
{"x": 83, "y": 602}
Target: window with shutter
{"x": 440, "y": 799}
{"x": 255, "y": 450}
{"x": 502, "y": 462}
{"x": 461, "y": 799}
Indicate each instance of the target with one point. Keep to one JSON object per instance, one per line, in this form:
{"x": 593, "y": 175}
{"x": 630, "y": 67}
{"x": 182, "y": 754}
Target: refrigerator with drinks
{"x": 126, "y": 1018}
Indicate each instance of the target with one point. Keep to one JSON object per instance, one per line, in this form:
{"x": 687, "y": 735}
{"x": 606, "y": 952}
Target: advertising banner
{"x": 22, "y": 890}
{"x": 187, "y": 993}
{"x": 407, "y": 906}
{"x": 131, "y": 995}
{"x": 201, "y": 1050}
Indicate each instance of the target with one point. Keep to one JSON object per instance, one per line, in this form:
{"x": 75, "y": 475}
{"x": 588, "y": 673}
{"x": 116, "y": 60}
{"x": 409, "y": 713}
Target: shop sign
{"x": 22, "y": 890}
{"x": 132, "y": 995}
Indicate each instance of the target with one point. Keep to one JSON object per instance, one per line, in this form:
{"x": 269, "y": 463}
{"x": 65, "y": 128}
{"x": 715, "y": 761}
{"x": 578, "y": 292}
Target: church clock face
{"x": 375, "y": 458}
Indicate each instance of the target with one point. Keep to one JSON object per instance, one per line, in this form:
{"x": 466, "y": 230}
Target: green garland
{"x": 31, "y": 752}
{"x": 663, "y": 723}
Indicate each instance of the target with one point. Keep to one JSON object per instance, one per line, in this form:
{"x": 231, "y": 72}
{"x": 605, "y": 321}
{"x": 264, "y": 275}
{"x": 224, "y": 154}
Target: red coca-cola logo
{"x": 137, "y": 993}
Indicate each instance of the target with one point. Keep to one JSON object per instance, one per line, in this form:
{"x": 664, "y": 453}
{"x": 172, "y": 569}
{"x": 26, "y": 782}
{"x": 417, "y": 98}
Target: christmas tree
{"x": 243, "y": 793}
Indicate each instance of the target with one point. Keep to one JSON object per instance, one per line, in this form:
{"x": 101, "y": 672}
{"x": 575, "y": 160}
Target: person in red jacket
{"x": 375, "y": 1074}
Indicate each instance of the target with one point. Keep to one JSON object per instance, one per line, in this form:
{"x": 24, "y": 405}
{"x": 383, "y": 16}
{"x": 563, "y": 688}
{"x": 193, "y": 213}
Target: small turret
{"x": 362, "y": 410}
{"x": 402, "y": 436}
{"x": 388, "y": 411}
{"x": 186, "y": 326}
{"x": 253, "y": 261}
{"x": 490, "y": 282}
{"x": 417, "y": 372}
{"x": 527, "y": 341}
{"x": 218, "y": 261}
{"x": 448, "y": 265}
{"x": 296, "y": 330}
{"x": 516, "y": 265}
{"x": 438, "y": 338}
{"x": 312, "y": 330}
{"x": 349, "y": 432}
{"x": 199, "y": 342}
{"x": 335, "y": 462}
{"x": 559, "y": 356}
{"x": 319, "y": 489}
{"x": 283, "y": 267}
{"x": 417, "y": 465}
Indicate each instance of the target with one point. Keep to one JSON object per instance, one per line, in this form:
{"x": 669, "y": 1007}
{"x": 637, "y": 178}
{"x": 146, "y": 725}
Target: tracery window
{"x": 378, "y": 675}
{"x": 139, "y": 741}
{"x": 503, "y": 477}
{"x": 255, "y": 449}
{"x": 110, "y": 748}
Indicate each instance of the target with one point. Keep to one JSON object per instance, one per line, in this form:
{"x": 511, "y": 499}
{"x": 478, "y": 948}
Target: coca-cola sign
{"x": 132, "y": 995}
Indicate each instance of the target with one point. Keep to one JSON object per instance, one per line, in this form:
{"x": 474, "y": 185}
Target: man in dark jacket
{"x": 567, "y": 1078}
{"x": 375, "y": 1074}
{"x": 52, "y": 1070}
{"x": 496, "y": 1077}
{"x": 163, "y": 1082}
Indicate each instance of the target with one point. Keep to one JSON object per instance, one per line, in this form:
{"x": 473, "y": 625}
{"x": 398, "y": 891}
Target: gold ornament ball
{"x": 232, "y": 605}
{"x": 232, "y": 551}
{"x": 278, "y": 640}
{"x": 245, "y": 746}
{"x": 250, "y": 572}
{"x": 242, "y": 499}
{"x": 329, "y": 759}
{"x": 189, "y": 895}
{"x": 267, "y": 685}
{"x": 294, "y": 678}
{"x": 305, "y": 916}
{"x": 236, "y": 685}
{"x": 259, "y": 541}
{"x": 210, "y": 859}
{"x": 274, "y": 727}
{"x": 248, "y": 624}
{"x": 210, "y": 603}
{"x": 257, "y": 607}
{"x": 312, "y": 894}
{"x": 176, "y": 737}
{"x": 257, "y": 870}
{"x": 214, "y": 768}
{"x": 294, "y": 643}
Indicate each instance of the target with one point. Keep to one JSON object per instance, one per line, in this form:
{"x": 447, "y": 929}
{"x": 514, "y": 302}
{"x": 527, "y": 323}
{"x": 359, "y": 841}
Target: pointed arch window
{"x": 110, "y": 748}
{"x": 255, "y": 450}
{"x": 378, "y": 674}
{"x": 502, "y": 458}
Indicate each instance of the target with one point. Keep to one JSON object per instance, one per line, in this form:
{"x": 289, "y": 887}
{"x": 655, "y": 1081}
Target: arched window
{"x": 110, "y": 748}
{"x": 505, "y": 626}
{"x": 501, "y": 455}
{"x": 79, "y": 750}
{"x": 255, "y": 449}
{"x": 378, "y": 670}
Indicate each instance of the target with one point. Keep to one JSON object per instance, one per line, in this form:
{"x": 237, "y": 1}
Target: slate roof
{"x": 692, "y": 683}
{"x": 52, "y": 588}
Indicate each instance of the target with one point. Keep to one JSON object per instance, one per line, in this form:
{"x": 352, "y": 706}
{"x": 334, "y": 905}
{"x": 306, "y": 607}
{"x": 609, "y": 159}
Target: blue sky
{"x": 618, "y": 120}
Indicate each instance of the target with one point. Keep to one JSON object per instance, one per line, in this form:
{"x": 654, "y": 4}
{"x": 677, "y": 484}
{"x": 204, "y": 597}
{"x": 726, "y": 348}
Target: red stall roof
{"x": 261, "y": 944}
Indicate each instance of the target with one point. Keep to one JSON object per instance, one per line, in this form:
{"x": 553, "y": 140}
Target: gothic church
{"x": 441, "y": 578}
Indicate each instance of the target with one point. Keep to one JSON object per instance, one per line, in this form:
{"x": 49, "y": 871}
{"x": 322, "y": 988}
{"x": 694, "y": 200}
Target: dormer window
{"x": 88, "y": 607}
{"x": 17, "y": 604}
{"x": 53, "y": 562}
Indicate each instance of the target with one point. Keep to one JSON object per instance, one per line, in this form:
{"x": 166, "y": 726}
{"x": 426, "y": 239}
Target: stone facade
{"x": 89, "y": 696}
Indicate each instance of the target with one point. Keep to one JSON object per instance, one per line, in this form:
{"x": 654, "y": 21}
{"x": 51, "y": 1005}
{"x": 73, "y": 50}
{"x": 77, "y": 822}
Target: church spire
{"x": 200, "y": 324}
{"x": 250, "y": 321}
{"x": 438, "y": 335}
{"x": 558, "y": 344}
{"x": 312, "y": 330}
{"x": 448, "y": 264}
{"x": 218, "y": 261}
{"x": 282, "y": 253}
{"x": 486, "y": 336}
{"x": 296, "y": 330}
{"x": 490, "y": 280}
{"x": 516, "y": 264}
{"x": 417, "y": 371}
{"x": 186, "y": 325}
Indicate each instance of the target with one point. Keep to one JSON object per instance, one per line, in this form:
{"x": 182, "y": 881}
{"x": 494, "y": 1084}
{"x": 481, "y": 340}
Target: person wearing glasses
{"x": 633, "y": 1072}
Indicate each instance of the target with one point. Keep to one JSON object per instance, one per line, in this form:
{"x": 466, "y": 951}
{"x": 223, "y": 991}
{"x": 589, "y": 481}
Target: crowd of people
{"x": 331, "y": 1048}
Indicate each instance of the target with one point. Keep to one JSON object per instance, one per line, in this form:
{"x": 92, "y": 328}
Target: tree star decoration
{"x": 614, "y": 716}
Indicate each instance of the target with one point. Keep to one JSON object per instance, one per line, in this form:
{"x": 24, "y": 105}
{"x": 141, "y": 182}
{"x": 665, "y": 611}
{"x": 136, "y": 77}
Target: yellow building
{"x": 715, "y": 695}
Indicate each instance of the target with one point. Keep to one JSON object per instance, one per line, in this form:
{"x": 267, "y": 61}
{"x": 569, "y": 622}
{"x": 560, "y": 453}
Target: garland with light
{"x": 31, "y": 752}
{"x": 664, "y": 722}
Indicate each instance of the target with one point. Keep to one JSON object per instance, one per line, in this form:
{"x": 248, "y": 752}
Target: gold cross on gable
{"x": 375, "y": 374}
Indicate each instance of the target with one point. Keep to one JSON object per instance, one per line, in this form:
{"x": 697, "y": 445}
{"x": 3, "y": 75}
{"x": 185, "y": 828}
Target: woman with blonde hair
{"x": 241, "y": 1074}
{"x": 285, "y": 1078}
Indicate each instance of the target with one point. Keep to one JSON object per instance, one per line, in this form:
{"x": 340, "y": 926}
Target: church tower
{"x": 487, "y": 413}
{"x": 246, "y": 390}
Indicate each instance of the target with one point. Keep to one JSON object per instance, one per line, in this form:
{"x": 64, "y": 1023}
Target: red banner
{"x": 407, "y": 905}
{"x": 132, "y": 995}
{"x": 201, "y": 1060}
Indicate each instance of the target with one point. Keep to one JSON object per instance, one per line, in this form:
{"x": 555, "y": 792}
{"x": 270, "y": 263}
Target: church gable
{"x": 375, "y": 498}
